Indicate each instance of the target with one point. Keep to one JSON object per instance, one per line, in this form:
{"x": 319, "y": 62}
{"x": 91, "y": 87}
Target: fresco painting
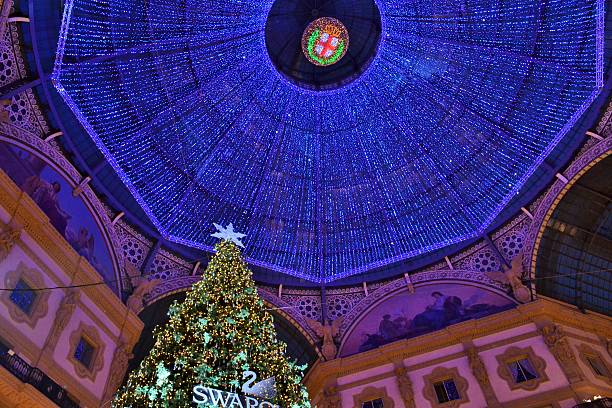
{"x": 67, "y": 214}
{"x": 430, "y": 308}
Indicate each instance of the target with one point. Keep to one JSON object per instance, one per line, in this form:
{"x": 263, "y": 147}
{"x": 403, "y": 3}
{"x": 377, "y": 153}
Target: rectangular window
{"x": 84, "y": 352}
{"x": 446, "y": 391}
{"x": 522, "y": 370}
{"x": 597, "y": 366}
{"x": 377, "y": 403}
{"x": 23, "y": 296}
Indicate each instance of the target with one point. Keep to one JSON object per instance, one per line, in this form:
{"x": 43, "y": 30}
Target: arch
{"x": 83, "y": 239}
{"x": 398, "y": 314}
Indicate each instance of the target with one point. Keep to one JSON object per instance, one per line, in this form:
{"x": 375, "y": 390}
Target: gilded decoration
{"x": 39, "y": 306}
{"x": 62, "y": 317}
{"x": 482, "y": 376}
{"x": 557, "y": 343}
{"x": 373, "y": 393}
{"x": 91, "y": 335}
{"x": 513, "y": 354}
{"x": 443, "y": 374}
{"x": 8, "y": 237}
{"x": 405, "y": 387}
{"x": 586, "y": 352}
{"x": 119, "y": 366}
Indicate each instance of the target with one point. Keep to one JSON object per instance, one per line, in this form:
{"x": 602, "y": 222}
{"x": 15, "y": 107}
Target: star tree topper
{"x": 228, "y": 234}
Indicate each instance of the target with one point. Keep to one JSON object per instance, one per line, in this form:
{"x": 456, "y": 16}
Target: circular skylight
{"x": 414, "y": 145}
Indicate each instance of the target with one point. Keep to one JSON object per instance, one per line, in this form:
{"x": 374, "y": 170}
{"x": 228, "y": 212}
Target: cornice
{"x": 533, "y": 312}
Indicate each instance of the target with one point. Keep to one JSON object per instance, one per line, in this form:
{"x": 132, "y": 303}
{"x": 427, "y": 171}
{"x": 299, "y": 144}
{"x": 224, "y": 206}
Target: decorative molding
{"x": 121, "y": 357}
{"x": 441, "y": 374}
{"x": 373, "y": 393}
{"x": 62, "y": 317}
{"x": 8, "y": 237}
{"x": 557, "y": 343}
{"x": 515, "y": 353}
{"x": 406, "y": 389}
{"x": 482, "y": 376}
{"x": 584, "y": 352}
{"x": 89, "y": 333}
{"x": 33, "y": 279}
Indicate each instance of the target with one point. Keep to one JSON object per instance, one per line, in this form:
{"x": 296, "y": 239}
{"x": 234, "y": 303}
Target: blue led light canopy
{"x": 418, "y": 146}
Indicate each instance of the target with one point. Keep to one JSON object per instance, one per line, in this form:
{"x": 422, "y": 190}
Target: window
{"x": 23, "y": 296}
{"x": 377, "y": 403}
{"x": 522, "y": 370}
{"x": 24, "y": 304}
{"x": 446, "y": 391}
{"x": 445, "y": 388}
{"x": 84, "y": 352}
{"x": 594, "y": 360}
{"x": 597, "y": 366}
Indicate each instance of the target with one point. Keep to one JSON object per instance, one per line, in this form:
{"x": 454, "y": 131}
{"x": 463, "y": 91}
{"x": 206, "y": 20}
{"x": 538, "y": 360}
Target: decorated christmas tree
{"x": 220, "y": 335}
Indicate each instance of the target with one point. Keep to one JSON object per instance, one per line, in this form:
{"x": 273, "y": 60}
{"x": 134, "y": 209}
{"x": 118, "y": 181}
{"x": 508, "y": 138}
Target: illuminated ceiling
{"x": 455, "y": 106}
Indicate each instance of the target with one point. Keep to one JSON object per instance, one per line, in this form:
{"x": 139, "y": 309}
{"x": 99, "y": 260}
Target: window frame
{"x": 585, "y": 352}
{"x": 440, "y": 374}
{"x": 373, "y": 393}
{"x": 91, "y": 335}
{"x": 34, "y": 279}
{"x": 513, "y": 354}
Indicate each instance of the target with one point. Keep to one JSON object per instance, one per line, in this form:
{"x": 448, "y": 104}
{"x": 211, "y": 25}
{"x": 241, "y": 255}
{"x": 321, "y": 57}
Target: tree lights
{"x": 462, "y": 101}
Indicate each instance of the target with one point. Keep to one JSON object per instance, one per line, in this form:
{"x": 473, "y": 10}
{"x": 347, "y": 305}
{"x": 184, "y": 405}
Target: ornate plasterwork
{"x": 373, "y": 393}
{"x": 121, "y": 358}
{"x": 406, "y": 389}
{"x": 512, "y": 354}
{"x": 33, "y": 278}
{"x": 441, "y": 374}
{"x": 585, "y": 352}
{"x": 63, "y": 315}
{"x": 89, "y": 333}
{"x": 557, "y": 343}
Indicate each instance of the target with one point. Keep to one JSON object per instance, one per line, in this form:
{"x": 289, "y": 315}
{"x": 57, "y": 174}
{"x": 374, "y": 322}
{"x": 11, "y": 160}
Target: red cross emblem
{"x": 326, "y": 45}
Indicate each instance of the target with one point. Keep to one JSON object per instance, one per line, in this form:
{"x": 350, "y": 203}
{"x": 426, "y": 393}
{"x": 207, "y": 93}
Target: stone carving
{"x": 480, "y": 372}
{"x": 8, "y": 238}
{"x": 327, "y": 332}
{"x": 62, "y": 317}
{"x": 142, "y": 287}
{"x": 513, "y": 277}
{"x": 118, "y": 368}
{"x": 557, "y": 344}
{"x": 405, "y": 387}
{"x": 331, "y": 398}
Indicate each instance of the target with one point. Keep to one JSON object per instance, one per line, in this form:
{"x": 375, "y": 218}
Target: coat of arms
{"x": 325, "y": 41}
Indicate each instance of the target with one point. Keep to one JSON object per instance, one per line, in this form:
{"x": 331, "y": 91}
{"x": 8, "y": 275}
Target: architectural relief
{"x": 405, "y": 387}
{"x": 555, "y": 339}
{"x": 331, "y": 398}
{"x": 513, "y": 276}
{"x": 62, "y": 317}
{"x": 482, "y": 376}
{"x": 8, "y": 237}
{"x": 118, "y": 368}
{"x": 327, "y": 333}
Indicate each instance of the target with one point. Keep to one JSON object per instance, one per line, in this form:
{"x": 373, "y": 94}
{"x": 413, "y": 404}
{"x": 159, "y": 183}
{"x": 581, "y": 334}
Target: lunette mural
{"x": 68, "y": 214}
{"x": 404, "y": 315}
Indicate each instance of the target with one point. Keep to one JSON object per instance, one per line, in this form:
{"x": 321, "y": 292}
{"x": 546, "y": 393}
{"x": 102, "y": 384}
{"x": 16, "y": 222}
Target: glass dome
{"x": 456, "y": 106}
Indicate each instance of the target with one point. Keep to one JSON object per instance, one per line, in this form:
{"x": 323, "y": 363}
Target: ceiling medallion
{"x": 325, "y": 41}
